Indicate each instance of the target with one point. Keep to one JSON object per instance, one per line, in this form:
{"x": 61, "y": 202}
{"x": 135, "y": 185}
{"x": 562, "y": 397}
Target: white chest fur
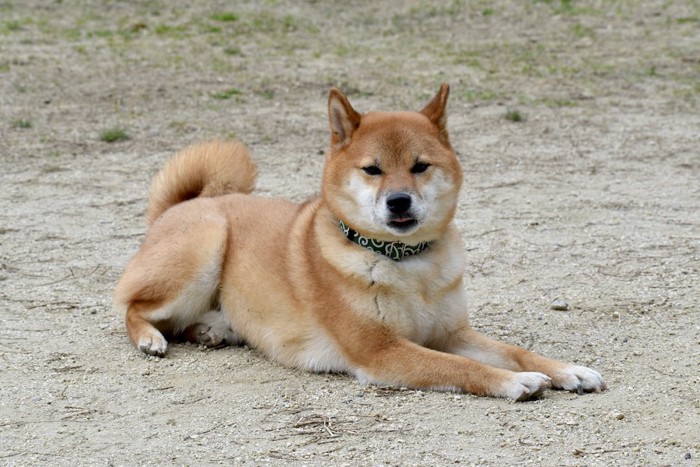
{"x": 420, "y": 298}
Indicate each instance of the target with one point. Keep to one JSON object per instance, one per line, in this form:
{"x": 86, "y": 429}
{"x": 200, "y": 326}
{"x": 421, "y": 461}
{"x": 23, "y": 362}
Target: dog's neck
{"x": 393, "y": 250}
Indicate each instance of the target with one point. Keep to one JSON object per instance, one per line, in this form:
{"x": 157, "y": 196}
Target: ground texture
{"x": 578, "y": 126}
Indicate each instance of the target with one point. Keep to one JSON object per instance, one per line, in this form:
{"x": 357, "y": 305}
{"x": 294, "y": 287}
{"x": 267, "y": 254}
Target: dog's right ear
{"x": 343, "y": 119}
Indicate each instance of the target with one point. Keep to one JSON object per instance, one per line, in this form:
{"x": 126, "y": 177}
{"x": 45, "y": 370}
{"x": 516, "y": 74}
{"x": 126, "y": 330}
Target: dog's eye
{"x": 372, "y": 170}
{"x": 419, "y": 168}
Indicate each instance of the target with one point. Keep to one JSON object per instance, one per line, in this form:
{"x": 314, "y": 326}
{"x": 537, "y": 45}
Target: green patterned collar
{"x": 393, "y": 250}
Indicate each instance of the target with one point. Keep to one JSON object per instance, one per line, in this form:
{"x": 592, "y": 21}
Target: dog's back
{"x": 208, "y": 169}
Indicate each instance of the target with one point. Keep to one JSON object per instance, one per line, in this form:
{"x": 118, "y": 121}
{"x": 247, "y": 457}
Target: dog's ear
{"x": 435, "y": 111}
{"x": 343, "y": 119}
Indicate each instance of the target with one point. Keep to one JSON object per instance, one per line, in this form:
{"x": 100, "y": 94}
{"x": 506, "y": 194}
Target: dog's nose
{"x": 398, "y": 203}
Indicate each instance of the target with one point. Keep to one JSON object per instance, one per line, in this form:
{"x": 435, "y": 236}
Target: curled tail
{"x": 211, "y": 168}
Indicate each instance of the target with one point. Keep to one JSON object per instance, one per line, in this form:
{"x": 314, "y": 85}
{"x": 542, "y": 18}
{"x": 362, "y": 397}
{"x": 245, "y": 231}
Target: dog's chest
{"x": 420, "y": 303}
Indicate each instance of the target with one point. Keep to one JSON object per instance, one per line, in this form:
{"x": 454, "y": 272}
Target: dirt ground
{"x": 578, "y": 126}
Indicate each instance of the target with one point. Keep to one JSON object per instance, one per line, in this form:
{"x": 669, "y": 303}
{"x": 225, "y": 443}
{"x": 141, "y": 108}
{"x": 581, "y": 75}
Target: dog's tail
{"x": 211, "y": 168}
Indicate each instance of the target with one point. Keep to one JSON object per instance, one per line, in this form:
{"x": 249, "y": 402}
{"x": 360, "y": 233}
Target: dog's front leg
{"x": 379, "y": 356}
{"x": 471, "y": 344}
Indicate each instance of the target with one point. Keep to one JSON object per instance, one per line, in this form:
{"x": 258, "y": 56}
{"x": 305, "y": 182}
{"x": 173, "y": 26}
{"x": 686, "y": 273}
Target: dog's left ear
{"x": 343, "y": 119}
{"x": 435, "y": 111}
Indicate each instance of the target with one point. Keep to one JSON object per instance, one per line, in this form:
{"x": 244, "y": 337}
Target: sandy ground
{"x": 594, "y": 198}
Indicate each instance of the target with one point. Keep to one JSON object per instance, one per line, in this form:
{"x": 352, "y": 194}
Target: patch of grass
{"x": 268, "y": 94}
{"x": 345, "y": 50}
{"x": 227, "y": 17}
{"x": 232, "y": 51}
{"x": 21, "y": 123}
{"x": 473, "y": 95}
{"x": 177, "y": 32}
{"x": 290, "y": 23}
{"x": 267, "y": 21}
{"x": 558, "y": 102}
{"x": 559, "y": 6}
{"x": 434, "y": 9}
{"x": 114, "y": 135}
{"x": 227, "y": 94}
{"x": 264, "y": 21}
{"x": 73, "y": 34}
{"x": 104, "y": 33}
{"x": 136, "y": 27}
{"x": 580, "y": 30}
{"x": 487, "y": 12}
{"x": 514, "y": 115}
{"x": 12, "y": 26}
{"x": 552, "y": 102}
{"x": 688, "y": 19}
{"x": 50, "y": 169}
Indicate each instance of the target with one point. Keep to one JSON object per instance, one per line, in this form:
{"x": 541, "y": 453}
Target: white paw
{"x": 204, "y": 334}
{"x": 578, "y": 379}
{"x": 153, "y": 344}
{"x": 212, "y": 330}
{"x": 526, "y": 385}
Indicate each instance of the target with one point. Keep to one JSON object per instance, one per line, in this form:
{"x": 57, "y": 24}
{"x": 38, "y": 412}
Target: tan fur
{"x": 207, "y": 169}
{"x": 284, "y": 278}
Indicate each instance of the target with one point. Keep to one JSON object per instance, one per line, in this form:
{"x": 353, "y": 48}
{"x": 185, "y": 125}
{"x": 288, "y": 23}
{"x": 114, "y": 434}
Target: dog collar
{"x": 393, "y": 250}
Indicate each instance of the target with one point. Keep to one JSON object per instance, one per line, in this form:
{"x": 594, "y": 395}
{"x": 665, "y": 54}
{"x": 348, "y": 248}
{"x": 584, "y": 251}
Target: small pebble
{"x": 559, "y": 305}
{"x": 617, "y": 415}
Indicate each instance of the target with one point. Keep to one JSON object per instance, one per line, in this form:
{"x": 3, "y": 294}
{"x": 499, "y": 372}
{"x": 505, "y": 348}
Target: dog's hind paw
{"x": 203, "y": 334}
{"x": 213, "y": 330}
{"x": 578, "y": 379}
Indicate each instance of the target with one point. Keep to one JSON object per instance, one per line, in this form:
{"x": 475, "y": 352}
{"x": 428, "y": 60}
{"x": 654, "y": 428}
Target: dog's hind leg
{"x": 173, "y": 281}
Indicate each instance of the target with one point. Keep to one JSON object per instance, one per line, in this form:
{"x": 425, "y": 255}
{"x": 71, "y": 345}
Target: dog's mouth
{"x": 403, "y": 223}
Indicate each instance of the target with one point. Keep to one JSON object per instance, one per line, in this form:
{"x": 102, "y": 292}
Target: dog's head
{"x": 392, "y": 175}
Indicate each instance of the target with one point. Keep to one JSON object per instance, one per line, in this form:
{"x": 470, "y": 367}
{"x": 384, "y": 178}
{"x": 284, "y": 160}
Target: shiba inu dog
{"x": 365, "y": 279}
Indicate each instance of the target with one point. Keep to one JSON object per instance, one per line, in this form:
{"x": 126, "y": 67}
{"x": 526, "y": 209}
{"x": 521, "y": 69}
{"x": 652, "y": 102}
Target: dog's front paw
{"x": 578, "y": 379}
{"x": 153, "y": 344}
{"x": 526, "y": 385}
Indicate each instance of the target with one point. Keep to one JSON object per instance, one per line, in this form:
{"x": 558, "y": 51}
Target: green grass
{"x": 12, "y": 25}
{"x": 22, "y": 123}
{"x": 176, "y": 32}
{"x": 267, "y": 94}
{"x": 514, "y": 115}
{"x": 474, "y": 95}
{"x": 227, "y": 94}
{"x": 114, "y": 135}
{"x": 559, "y": 6}
{"x": 580, "y": 30}
{"x": 226, "y": 17}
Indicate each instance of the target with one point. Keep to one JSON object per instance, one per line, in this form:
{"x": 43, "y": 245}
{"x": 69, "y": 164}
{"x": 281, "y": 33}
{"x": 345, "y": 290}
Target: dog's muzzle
{"x": 399, "y": 206}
